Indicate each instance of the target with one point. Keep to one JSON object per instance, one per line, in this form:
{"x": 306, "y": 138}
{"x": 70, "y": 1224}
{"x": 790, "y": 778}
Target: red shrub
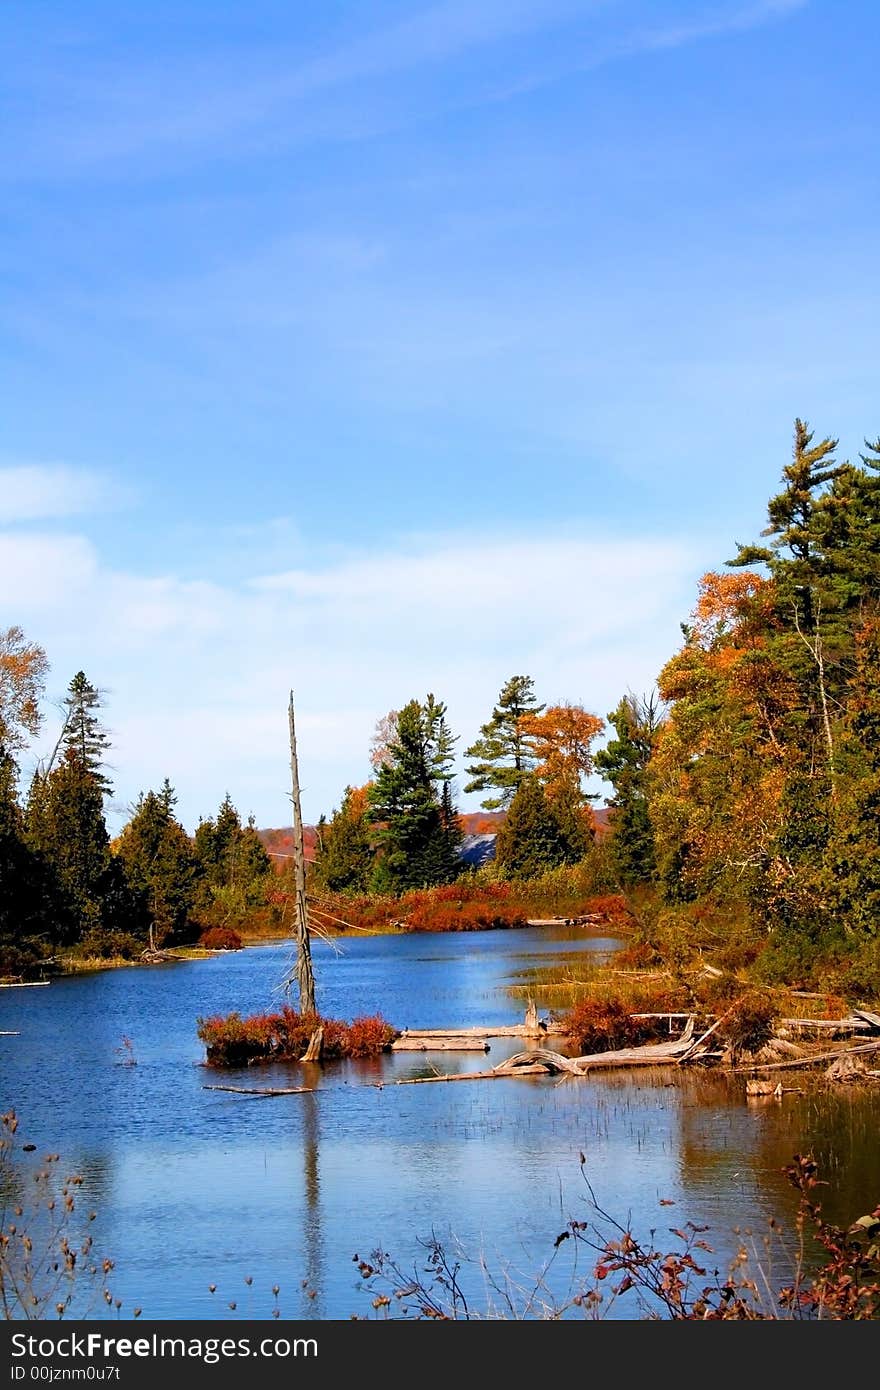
{"x": 283, "y": 1037}
{"x": 220, "y": 939}
{"x": 367, "y": 1037}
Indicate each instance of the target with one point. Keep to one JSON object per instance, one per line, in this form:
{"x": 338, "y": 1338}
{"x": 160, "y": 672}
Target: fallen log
{"x": 531, "y": 1070}
{"x": 873, "y": 1019}
{"x": 553, "y": 1061}
{"x": 410, "y": 1044}
{"x": 828, "y": 1025}
{"x": 649, "y": 1054}
{"x": 501, "y": 1030}
{"x": 264, "y": 1090}
{"x": 810, "y": 1059}
{"x": 689, "y": 1052}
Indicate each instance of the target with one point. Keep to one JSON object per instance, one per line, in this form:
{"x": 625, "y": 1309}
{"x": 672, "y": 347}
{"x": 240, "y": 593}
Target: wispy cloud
{"x": 276, "y": 98}
{"x": 40, "y": 491}
{"x": 198, "y": 673}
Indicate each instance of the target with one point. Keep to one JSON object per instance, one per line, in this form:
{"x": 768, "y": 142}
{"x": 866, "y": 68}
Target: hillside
{"x": 279, "y": 842}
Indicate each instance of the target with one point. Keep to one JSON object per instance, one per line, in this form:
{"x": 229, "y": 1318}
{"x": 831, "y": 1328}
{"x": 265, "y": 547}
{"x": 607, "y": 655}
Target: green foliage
{"x": 417, "y": 830}
{"x": 84, "y": 738}
{"x": 232, "y": 868}
{"x": 539, "y": 834}
{"x": 502, "y": 752}
{"x": 34, "y": 913}
{"x": 66, "y": 827}
{"x": 624, "y": 762}
{"x": 344, "y": 857}
{"x": 160, "y": 863}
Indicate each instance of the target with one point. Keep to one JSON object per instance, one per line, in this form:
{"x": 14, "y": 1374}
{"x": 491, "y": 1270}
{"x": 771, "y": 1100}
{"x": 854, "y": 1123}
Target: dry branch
{"x": 264, "y": 1090}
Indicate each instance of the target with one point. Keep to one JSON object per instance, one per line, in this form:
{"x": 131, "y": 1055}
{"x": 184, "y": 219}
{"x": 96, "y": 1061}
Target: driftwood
{"x": 538, "y": 1061}
{"x": 588, "y": 919}
{"x": 873, "y": 1019}
{"x": 828, "y": 1025}
{"x": 689, "y": 1052}
{"x": 410, "y": 1044}
{"x": 533, "y": 1069}
{"x": 846, "y": 1068}
{"x": 264, "y": 1090}
{"x": 501, "y": 1030}
{"x": 650, "y": 1054}
{"x": 810, "y": 1059}
{"x": 552, "y": 1061}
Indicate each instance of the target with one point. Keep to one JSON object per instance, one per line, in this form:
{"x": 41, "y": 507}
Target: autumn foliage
{"x": 233, "y": 1041}
{"x": 220, "y": 939}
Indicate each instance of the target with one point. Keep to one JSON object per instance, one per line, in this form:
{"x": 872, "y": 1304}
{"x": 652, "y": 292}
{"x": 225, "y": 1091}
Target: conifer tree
{"x": 344, "y": 858}
{"x": 160, "y": 863}
{"x": 502, "y": 753}
{"x": 85, "y": 738}
{"x": 231, "y": 865}
{"x": 532, "y": 838}
{"x": 411, "y": 804}
{"x": 624, "y": 762}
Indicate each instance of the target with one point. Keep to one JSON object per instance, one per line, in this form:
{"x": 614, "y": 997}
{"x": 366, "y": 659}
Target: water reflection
{"x": 197, "y": 1188}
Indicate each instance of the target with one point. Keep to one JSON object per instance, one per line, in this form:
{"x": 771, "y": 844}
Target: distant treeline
{"x": 746, "y": 788}
{"x": 64, "y": 884}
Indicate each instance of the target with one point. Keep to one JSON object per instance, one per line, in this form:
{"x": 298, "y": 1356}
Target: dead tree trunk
{"x": 302, "y": 969}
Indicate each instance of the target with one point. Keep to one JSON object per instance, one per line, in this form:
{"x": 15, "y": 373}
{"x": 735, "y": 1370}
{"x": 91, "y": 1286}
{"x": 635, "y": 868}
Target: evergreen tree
{"x": 84, "y": 737}
{"x": 160, "y": 864}
{"x": 623, "y": 762}
{"x": 34, "y": 914}
{"x": 66, "y": 815}
{"x": 532, "y": 838}
{"x": 854, "y": 853}
{"x": 344, "y": 858}
{"x": 65, "y": 824}
{"x": 502, "y": 751}
{"x": 231, "y": 865}
{"x": 411, "y": 804}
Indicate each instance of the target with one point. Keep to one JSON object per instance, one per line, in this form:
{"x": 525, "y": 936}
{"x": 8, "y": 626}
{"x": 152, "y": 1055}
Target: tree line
{"x": 63, "y": 882}
{"x": 748, "y": 782}
{"x": 402, "y": 830}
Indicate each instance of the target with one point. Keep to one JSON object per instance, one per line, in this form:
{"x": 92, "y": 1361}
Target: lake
{"x": 195, "y": 1187}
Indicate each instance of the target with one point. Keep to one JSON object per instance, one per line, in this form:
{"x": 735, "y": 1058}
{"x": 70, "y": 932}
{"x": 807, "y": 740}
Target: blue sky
{"x": 379, "y": 348}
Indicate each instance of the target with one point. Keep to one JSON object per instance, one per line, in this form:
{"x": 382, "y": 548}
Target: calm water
{"x": 195, "y": 1187}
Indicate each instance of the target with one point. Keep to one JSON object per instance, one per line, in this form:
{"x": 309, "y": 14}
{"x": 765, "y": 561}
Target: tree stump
{"x": 315, "y": 1047}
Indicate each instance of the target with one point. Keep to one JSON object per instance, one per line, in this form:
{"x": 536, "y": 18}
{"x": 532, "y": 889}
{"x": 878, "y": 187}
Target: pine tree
{"x": 502, "y": 751}
{"x": 344, "y": 858}
{"x": 411, "y": 804}
{"x": 623, "y": 762}
{"x": 160, "y": 863}
{"x": 65, "y": 823}
{"x": 66, "y": 826}
{"x": 231, "y": 865}
{"x": 532, "y": 838}
{"x": 85, "y": 738}
{"x": 34, "y": 913}
{"x": 854, "y": 852}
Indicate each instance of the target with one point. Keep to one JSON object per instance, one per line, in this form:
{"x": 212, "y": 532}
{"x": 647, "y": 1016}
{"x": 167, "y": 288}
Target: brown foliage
{"x": 220, "y": 939}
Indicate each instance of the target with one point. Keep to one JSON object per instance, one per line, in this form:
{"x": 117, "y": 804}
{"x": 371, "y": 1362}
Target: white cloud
{"x": 197, "y": 674}
{"x": 39, "y": 491}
